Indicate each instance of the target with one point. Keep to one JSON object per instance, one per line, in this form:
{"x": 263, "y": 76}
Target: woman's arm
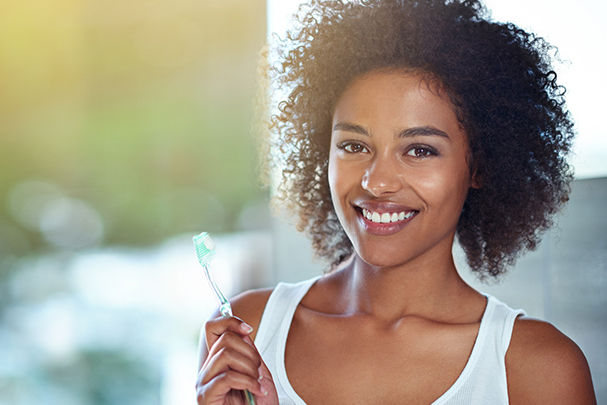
{"x": 546, "y": 367}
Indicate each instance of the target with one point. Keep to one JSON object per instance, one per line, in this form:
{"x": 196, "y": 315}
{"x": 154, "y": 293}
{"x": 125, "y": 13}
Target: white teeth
{"x": 375, "y": 217}
{"x": 386, "y": 217}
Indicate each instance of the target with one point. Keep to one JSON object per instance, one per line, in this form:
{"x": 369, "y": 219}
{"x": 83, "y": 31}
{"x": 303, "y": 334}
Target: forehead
{"x": 393, "y": 97}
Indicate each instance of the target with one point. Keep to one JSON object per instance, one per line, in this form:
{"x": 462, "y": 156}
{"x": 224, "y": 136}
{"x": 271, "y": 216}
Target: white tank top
{"x": 482, "y": 382}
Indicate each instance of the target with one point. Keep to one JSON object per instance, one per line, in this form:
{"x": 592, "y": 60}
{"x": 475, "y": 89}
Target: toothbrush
{"x": 205, "y": 250}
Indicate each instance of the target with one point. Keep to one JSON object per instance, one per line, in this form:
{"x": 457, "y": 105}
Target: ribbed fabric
{"x": 482, "y": 382}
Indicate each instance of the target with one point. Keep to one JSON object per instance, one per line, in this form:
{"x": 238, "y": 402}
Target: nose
{"x": 382, "y": 176}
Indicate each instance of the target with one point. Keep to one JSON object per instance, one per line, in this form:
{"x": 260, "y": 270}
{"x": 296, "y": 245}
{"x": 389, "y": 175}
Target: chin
{"x": 382, "y": 258}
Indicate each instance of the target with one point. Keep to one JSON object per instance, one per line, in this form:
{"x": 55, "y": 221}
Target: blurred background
{"x": 127, "y": 126}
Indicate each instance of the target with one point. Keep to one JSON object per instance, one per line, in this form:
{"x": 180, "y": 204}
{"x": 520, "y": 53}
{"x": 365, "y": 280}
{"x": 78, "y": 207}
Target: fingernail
{"x": 246, "y": 328}
{"x": 260, "y": 375}
{"x": 264, "y": 392}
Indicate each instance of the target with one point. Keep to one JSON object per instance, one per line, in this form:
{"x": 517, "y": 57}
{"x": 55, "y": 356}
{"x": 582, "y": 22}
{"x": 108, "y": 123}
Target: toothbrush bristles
{"x": 205, "y": 250}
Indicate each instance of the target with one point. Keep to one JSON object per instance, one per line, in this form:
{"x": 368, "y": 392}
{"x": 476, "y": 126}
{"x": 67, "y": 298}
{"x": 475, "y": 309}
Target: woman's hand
{"x": 232, "y": 365}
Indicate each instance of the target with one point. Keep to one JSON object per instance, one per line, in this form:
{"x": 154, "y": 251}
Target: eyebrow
{"x": 406, "y": 133}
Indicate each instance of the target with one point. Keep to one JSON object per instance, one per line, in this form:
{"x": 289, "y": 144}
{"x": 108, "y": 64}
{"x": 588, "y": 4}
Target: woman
{"x": 408, "y": 123}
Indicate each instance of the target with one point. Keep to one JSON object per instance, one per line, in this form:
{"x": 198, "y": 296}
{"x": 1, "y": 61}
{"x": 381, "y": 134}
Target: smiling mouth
{"x": 387, "y": 217}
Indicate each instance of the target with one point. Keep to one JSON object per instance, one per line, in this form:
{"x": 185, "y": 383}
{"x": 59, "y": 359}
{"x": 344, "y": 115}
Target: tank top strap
{"x": 483, "y": 380}
{"x": 273, "y": 332}
{"x": 504, "y": 319}
{"x": 279, "y": 310}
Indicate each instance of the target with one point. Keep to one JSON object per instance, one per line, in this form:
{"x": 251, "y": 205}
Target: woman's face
{"x": 398, "y": 171}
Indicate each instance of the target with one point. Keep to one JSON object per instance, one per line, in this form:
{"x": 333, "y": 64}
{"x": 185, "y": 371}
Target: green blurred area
{"x": 95, "y": 378}
{"x": 122, "y": 124}
{"x": 143, "y": 110}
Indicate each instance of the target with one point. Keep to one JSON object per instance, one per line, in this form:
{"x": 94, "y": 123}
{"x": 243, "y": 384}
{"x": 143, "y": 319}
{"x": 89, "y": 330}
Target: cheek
{"x": 447, "y": 187}
{"x": 331, "y": 172}
{"x": 343, "y": 180}
{"x": 333, "y": 175}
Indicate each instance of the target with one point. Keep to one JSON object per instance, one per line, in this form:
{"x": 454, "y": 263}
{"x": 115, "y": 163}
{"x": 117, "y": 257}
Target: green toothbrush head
{"x": 205, "y": 248}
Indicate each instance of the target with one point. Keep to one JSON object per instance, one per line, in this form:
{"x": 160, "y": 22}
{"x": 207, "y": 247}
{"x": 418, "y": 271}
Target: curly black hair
{"x": 499, "y": 80}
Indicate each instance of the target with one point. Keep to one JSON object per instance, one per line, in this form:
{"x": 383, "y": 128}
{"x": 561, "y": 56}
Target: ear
{"x": 477, "y": 180}
{"x": 477, "y": 176}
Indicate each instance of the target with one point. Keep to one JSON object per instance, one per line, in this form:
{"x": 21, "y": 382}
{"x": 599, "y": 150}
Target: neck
{"x": 433, "y": 290}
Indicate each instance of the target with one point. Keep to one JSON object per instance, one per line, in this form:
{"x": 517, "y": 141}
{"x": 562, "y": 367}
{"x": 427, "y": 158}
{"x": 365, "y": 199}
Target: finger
{"x": 265, "y": 377}
{"x": 218, "y": 326}
{"x": 220, "y": 386}
{"x": 267, "y": 384}
{"x": 237, "y": 343}
{"x": 264, "y": 371}
{"x": 229, "y": 359}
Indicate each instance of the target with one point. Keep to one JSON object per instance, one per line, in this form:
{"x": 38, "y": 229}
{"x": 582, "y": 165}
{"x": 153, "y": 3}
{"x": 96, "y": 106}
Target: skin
{"x": 396, "y": 146}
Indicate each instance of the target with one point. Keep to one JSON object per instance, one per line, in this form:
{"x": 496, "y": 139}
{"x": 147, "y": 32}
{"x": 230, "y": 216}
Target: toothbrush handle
{"x": 226, "y": 310}
{"x": 250, "y": 397}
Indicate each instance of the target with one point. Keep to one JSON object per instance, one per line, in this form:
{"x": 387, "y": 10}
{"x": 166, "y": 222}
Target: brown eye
{"x": 352, "y": 147}
{"x": 421, "y": 152}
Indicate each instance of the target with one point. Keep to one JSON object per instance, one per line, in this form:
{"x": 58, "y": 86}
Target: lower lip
{"x": 381, "y": 229}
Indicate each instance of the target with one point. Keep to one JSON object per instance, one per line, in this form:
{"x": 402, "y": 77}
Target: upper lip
{"x": 382, "y": 206}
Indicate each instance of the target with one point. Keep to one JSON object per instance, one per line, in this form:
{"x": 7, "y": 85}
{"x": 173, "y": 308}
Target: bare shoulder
{"x": 545, "y": 366}
{"x": 249, "y": 306}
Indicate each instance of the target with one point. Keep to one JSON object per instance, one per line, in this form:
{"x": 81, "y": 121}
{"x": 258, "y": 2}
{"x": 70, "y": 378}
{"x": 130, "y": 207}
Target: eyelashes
{"x": 352, "y": 147}
{"x": 416, "y": 150}
{"x": 421, "y": 151}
